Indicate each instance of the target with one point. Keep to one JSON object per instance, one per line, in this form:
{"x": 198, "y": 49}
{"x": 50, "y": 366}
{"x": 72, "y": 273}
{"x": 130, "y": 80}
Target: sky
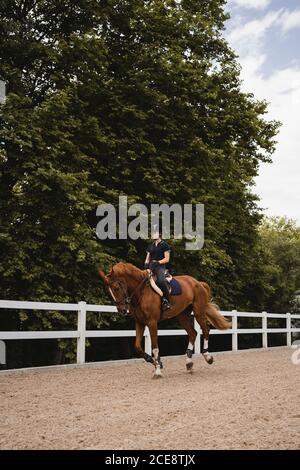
{"x": 266, "y": 36}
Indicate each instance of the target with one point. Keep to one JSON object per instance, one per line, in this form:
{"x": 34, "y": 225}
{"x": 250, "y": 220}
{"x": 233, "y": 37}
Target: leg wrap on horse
{"x": 189, "y": 353}
{"x": 188, "y": 359}
{"x": 159, "y": 362}
{"x": 205, "y": 351}
{"x": 148, "y": 358}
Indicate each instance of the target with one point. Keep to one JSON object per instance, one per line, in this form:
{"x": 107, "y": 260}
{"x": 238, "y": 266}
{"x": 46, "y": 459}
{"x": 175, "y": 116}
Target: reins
{"x": 128, "y": 298}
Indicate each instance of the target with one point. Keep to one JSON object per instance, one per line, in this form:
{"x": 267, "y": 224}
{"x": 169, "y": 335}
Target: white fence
{"x": 82, "y": 333}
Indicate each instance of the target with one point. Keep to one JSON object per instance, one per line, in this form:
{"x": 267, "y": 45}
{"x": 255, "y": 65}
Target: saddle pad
{"x": 175, "y": 287}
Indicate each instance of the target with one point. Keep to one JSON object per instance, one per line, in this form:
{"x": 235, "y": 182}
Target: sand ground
{"x": 245, "y": 400}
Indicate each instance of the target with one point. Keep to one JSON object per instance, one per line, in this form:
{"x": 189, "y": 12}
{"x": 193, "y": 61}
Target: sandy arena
{"x": 247, "y": 400}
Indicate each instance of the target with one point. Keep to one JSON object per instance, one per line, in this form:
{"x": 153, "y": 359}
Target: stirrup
{"x": 165, "y": 304}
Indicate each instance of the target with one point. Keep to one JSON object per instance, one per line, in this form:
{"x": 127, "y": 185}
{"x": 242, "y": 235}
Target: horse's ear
{"x": 103, "y": 276}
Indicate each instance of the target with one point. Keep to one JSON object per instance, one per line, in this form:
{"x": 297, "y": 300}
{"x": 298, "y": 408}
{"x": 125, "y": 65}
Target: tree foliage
{"x": 135, "y": 97}
{"x": 280, "y": 245}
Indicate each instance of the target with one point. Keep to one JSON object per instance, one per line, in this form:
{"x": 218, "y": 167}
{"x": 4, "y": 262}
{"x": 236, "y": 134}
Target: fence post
{"x": 148, "y": 346}
{"x": 197, "y": 345}
{"x": 81, "y": 327}
{"x": 234, "y": 331}
{"x": 265, "y": 330}
{"x": 2, "y": 352}
{"x": 289, "y": 330}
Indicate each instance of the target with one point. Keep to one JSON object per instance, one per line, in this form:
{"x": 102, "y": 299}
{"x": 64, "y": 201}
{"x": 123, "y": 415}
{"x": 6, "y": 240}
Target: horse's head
{"x": 116, "y": 287}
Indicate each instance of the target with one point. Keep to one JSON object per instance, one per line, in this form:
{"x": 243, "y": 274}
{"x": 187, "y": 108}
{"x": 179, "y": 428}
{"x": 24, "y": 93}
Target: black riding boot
{"x": 162, "y": 283}
{"x": 165, "y": 302}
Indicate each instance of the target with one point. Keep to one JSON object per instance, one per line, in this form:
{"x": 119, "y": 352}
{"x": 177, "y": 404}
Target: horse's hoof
{"x": 189, "y": 366}
{"x": 209, "y": 359}
{"x": 157, "y": 376}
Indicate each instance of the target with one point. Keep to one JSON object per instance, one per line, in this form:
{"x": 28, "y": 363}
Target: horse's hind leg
{"x": 156, "y": 357}
{"x": 199, "y": 307}
{"x": 201, "y": 319}
{"x": 206, "y": 354}
{"x": 186, "y": 321}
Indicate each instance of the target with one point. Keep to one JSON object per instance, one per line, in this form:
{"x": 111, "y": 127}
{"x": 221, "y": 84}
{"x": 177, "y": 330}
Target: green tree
{"x": 131, "y": 97}
{"x": 280, "y": 242}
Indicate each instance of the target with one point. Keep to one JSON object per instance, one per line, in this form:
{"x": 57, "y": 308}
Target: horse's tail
{"x": 215, "y": 318}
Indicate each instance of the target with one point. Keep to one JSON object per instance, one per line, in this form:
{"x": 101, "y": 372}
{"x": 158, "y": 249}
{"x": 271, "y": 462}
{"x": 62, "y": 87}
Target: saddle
{"x": 173, "y": 284}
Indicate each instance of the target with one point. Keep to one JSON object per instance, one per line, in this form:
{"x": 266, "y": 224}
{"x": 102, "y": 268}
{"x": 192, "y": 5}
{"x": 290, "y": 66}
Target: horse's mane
{"x": 121, "y": 269}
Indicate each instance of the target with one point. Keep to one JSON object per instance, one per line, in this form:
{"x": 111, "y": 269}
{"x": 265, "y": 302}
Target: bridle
{"x": 127, "y": 299}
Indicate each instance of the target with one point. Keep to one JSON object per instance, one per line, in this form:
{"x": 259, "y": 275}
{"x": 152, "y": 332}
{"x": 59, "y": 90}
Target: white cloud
{"x": 245, "y": 34}
{"x": 253, "y": 30}
{"x": 257, "y": 4}
{"x": 278, "y": 184}
{"x": 290, "y": 20}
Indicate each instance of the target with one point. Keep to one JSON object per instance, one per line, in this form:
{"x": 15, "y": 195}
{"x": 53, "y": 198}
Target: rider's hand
{"x": 153, "y": 265}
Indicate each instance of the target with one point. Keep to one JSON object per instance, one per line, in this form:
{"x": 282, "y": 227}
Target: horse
{"x": 132, "y": 294}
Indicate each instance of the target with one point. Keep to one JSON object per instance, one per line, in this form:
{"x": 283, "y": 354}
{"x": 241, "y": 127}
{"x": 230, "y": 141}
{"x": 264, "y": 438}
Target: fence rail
{"x": 82, "y": 333}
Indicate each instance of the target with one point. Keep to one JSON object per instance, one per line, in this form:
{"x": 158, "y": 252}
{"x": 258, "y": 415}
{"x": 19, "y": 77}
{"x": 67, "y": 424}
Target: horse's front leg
{"x": 157, "y": 361}
{"x": 139, "y": 330}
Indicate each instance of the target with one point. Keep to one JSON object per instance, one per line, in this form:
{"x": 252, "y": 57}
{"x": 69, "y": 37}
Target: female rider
{"x": 157, "y": 259}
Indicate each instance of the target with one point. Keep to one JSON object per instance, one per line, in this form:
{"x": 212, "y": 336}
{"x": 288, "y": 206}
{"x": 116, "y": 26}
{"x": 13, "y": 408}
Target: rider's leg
{"x": 162, "y": 283}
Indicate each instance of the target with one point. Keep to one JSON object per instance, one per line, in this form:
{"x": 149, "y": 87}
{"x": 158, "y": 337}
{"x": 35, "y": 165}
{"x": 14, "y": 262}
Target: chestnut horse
{"x": 130, "y": 290}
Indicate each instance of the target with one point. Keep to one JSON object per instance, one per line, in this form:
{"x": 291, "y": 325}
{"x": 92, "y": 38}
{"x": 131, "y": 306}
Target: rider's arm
{"x": 166, "y": 258}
